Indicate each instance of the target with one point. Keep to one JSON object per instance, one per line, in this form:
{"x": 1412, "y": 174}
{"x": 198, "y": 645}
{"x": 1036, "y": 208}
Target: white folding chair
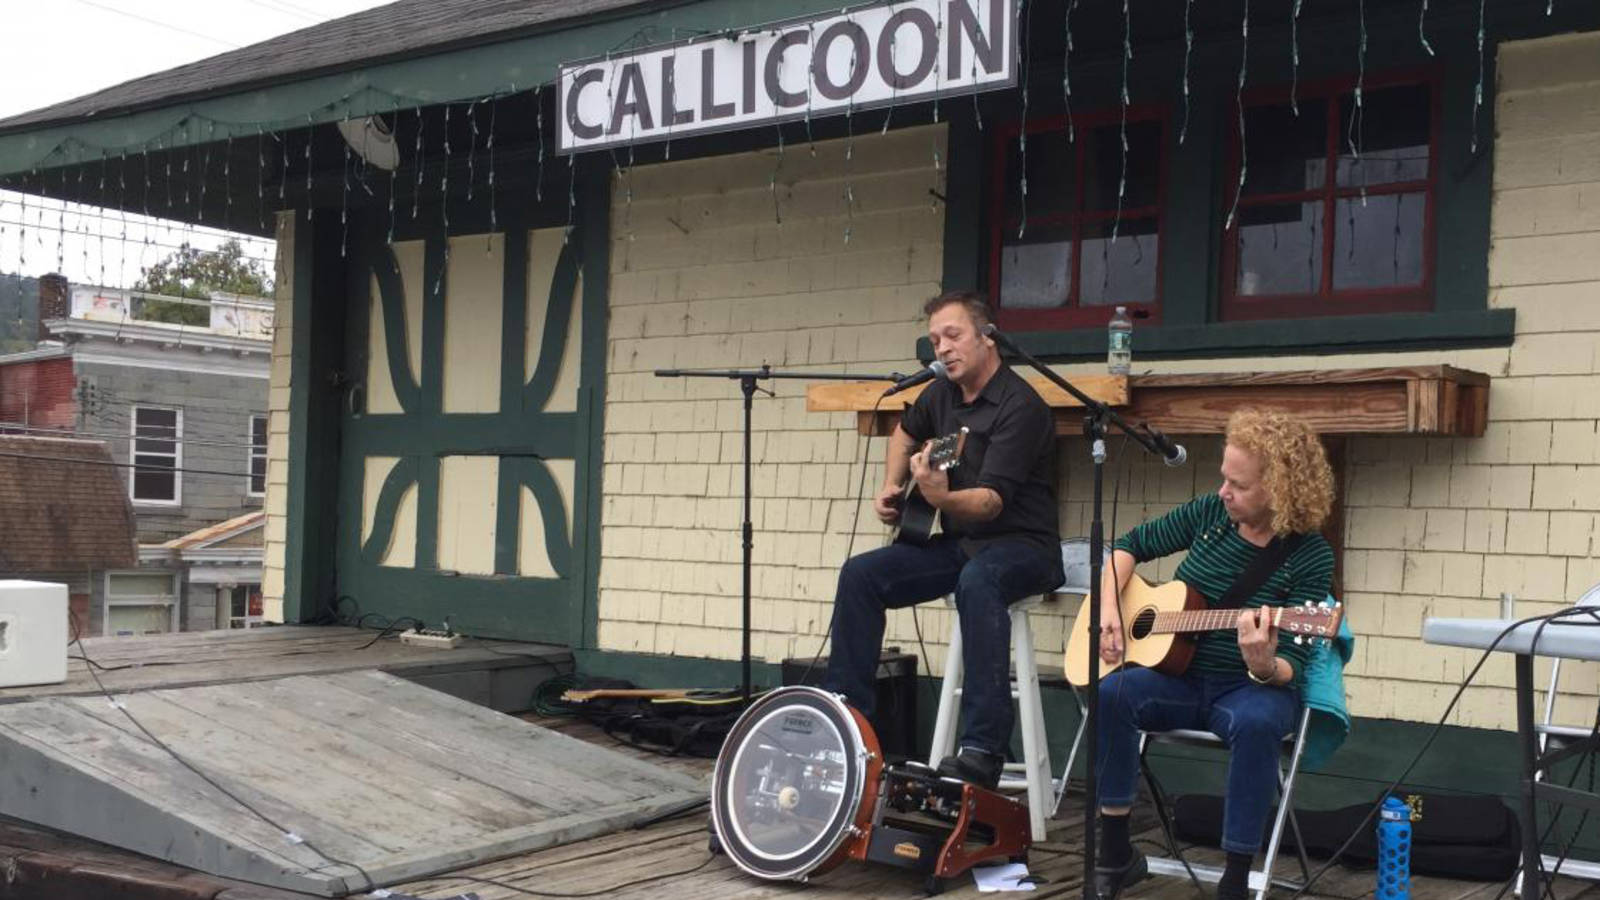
{"x": 1550, "y": 731}
{"x": 1261, "y": 879}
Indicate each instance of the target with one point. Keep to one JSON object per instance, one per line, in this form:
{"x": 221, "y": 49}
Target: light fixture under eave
{"x": 372, "y": 138}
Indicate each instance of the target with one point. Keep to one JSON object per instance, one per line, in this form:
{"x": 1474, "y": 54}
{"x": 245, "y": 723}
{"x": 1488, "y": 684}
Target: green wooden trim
{"x": 316, "y": 347}
{"x": 557, "y": 321}
{"x": 392, "y": 297}
{"x": 963, "y": 200}
{"x": 472, "y": 434}
{"x": 507, "y": 517}
{"x": 399, "y": 480}
{"x": 595, "y": 209}
{"x": 1273, "y": 337}
{"x": 435, "y": 290}
{"x": 513, "y": 352}
{"x": 537, "y": 477}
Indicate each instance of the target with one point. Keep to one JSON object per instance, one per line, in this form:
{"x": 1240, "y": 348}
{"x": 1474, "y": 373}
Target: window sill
{"x": 1319, "y": 336}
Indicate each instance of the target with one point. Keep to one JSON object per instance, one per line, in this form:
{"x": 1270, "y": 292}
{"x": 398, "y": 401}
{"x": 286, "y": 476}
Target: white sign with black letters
{"x": 862, "y": 58}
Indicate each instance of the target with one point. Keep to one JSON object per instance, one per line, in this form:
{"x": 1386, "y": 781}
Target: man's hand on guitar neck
{"x": 933, "y": 482}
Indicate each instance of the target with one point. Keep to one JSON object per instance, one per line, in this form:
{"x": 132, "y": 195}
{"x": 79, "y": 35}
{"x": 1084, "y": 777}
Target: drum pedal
{"x": 431, "y": 637}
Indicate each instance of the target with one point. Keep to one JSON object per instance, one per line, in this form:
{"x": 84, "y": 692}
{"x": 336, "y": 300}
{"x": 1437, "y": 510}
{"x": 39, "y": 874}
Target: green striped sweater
{"x": 1217, "y": 555}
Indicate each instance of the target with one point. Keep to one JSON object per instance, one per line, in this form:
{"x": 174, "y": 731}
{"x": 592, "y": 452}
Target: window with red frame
{"x": 1067, "y": 251}
{"x": 1336, "y": 213}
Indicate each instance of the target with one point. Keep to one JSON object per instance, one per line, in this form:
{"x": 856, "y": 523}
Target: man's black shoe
{"x": 974, "y": 766}
{"x": 1109, "y": 882}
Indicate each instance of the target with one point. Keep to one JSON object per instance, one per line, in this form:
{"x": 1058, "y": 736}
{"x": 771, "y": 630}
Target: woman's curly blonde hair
{"x": 1294, "y": 467}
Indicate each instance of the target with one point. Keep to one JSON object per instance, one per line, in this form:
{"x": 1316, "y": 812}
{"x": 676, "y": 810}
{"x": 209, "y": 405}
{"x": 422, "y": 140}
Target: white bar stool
{"x": 1034, "y": 771}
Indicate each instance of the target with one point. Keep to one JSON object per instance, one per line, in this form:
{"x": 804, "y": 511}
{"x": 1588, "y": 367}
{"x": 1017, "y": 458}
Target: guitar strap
{"x": 1273, "y": 555}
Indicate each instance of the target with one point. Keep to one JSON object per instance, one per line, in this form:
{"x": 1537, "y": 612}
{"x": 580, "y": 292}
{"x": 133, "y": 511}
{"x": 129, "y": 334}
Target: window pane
{"x": 1051, "y": 178}
{"x": 147, "y": 445}
{"x": 258, "y": 431}
{"x": 1036, "y": 272}
{"x": 1280, "y": 249}
{"x": 1103, "y": 166}
{"x": 129, "y": 620}
{"x": 258, "y": 475}
{"x": 157, "y": 462}
{"x": 156, "y": 422}
{"x": 1378, "y": 242}
{"x": 154, "y": 485}
{"x": 1390, "y": 136}
{"x": 1120, "y": 272}
{"x": 1285, "y": 153}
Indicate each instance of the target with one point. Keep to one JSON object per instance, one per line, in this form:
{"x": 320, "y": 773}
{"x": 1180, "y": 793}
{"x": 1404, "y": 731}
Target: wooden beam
{"x": 1419, "y": 400}
{"x": 859, "y": 396}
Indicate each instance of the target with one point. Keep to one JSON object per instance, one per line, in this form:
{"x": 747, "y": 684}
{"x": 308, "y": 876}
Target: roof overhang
{"x": 489, "y": 65}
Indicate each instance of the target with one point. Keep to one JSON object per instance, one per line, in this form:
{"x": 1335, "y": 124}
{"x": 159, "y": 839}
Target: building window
{"x": 141, "y": 603}
{"x": 242, "y": 607}
{"x": 258, "y": 456}
{"x": 1086, "y": 236}
{"x": 1336, "y": 213}
{"x": 157, "y": 452}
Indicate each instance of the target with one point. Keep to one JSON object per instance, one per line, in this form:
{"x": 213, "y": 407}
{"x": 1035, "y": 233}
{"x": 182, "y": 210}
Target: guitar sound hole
{"x": 1142, "y": 624}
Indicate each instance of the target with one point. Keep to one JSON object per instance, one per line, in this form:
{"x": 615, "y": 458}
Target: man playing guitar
{"x": 1276, "y": 491}
{"x": 1000, "y": 541}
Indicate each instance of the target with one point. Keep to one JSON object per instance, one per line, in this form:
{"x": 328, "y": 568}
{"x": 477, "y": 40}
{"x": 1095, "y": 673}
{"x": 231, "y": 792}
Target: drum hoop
{"x": 821, "y": 851}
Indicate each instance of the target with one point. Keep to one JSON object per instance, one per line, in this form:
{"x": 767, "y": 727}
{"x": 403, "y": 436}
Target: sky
{"x": 67, "y": 48}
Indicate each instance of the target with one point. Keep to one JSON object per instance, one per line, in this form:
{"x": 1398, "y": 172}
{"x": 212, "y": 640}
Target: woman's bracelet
{"x": 1269, "y": 680}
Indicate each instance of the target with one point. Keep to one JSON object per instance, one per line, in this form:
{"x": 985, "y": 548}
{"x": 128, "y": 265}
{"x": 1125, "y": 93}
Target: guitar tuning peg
{"x": 1299, "y": 639}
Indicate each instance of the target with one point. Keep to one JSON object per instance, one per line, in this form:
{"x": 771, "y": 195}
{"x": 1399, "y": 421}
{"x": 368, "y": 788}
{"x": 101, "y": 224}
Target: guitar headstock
{"x": 944, "y": 453}
{"x": 1311, "y": 622}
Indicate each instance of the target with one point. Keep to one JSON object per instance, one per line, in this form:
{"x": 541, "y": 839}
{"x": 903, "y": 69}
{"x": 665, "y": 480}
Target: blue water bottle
{"x": 1394, "y": 850}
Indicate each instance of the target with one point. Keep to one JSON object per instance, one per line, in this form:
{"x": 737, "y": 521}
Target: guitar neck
{"x": 1193, "y": 620}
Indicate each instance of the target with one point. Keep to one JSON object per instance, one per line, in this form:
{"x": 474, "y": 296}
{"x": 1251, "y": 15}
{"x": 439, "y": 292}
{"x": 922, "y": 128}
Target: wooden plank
{"x": 855, "y": 396}
{"x": 229, "y": 657}
{"x": 1439, "y": 400}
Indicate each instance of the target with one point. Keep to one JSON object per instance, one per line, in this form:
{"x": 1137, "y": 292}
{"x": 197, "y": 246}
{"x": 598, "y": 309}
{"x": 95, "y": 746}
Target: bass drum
{"x": 794, "y": 786}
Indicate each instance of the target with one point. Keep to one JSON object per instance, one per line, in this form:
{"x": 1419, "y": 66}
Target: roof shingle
{"x": 63, "y": 507}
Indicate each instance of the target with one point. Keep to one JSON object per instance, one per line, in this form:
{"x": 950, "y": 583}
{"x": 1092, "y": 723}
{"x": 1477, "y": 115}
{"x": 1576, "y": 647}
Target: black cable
{"x": 849, "y": 547}
{"x": 288, "y": 834}
{"x": 1437, "y": 729}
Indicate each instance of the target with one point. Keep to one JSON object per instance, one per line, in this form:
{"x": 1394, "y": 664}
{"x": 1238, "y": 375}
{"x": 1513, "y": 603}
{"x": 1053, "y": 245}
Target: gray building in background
{"x": 183, "y": 410}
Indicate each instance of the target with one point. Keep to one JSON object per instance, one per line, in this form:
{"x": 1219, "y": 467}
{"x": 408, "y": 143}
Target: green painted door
{"x": 470, "y": 438}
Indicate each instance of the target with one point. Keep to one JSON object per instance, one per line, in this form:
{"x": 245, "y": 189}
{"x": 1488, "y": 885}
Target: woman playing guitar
{"x": 1241, "y": 684}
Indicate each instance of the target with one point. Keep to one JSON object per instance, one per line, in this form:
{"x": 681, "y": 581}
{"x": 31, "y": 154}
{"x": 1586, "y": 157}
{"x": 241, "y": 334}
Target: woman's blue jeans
{"x": 985, "y": 585}
{"x": 1251, "y": 719}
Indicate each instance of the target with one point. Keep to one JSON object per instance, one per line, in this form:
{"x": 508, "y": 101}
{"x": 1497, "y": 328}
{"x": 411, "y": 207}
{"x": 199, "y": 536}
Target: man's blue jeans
{"x": 901, "y": 575}
{"x": 1251, "y": 719}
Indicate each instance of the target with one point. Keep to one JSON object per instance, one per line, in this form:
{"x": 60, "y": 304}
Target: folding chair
{"x": 1550, "y": 732}
{"x": 1289, "y": 766}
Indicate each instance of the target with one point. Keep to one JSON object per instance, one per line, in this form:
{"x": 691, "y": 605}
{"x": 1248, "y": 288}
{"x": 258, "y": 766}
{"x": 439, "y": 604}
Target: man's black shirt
{"x": 1010, "y": 449}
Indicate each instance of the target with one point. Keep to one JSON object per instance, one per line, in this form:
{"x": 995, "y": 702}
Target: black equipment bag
{"x": 1467, "y": 836}
{"x": 693, "y": 726}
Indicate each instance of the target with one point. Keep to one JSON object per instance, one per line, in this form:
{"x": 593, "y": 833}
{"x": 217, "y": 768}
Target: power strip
{"x": 431, "y": 637}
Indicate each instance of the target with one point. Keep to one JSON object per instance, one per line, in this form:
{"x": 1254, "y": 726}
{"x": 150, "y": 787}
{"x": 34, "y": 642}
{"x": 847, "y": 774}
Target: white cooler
{"x": 33, "y": 633}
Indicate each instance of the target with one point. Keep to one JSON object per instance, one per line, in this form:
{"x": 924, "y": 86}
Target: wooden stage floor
{"x": 603, "y": 867}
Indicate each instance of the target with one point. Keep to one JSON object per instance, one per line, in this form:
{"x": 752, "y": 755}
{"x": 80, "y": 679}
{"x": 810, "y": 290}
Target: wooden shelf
{"x": 1441, "y": 401}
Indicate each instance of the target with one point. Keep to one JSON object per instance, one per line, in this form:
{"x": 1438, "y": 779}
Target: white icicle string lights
{"x": 1188, "y": 49}
{"x": 1244, "y": 56}
{"x": 1122, "y": 177}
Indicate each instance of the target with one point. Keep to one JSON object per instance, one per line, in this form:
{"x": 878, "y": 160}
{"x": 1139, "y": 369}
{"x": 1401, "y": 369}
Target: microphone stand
{"x": 747, "y": 379}
{"x": 1094, "y": 427}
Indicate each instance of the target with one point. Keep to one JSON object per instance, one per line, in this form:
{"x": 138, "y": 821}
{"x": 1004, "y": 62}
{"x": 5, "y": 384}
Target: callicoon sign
{"x": 858, "y": 59}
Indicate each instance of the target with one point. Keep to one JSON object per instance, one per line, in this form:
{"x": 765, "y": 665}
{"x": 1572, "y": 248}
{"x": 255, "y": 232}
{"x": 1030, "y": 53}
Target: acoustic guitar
{"x": 1160, "y": 624}
{"x": 919, "y": 519}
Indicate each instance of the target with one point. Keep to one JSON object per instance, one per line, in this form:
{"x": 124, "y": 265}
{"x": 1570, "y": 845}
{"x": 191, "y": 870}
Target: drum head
{"x": 789, "y": 783}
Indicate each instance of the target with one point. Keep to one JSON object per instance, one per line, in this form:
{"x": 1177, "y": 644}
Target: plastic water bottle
{"x": 1119, "y": 343}
{"x": 1394, "y": 850}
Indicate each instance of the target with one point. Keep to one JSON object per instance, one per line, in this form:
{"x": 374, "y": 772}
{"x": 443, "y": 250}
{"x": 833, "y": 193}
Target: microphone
{"x": 934, "y": 370}
{"x": 1172, "y": 454}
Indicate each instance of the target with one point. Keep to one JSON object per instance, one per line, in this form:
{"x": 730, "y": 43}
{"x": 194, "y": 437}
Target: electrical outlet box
{"x": 430, "y": 637}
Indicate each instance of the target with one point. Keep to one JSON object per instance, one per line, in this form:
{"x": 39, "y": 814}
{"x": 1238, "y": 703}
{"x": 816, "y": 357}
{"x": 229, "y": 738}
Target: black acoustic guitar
{"x": 919, "y": 519}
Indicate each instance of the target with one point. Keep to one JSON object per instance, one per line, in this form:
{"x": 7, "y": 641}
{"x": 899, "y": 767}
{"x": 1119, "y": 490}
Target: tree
{"x": 194, "y": 273}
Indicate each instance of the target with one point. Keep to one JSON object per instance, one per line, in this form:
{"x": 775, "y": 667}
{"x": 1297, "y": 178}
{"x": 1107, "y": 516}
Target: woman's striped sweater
{"x": 1217, "y": 556}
